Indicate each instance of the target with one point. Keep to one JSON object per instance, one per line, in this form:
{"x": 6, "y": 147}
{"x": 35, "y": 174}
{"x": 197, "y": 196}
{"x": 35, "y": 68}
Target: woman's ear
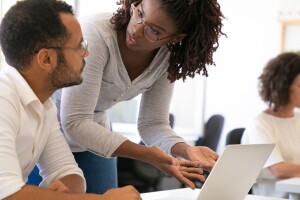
{"x": 46, "y": 58}
{"x": 178, "y": 38}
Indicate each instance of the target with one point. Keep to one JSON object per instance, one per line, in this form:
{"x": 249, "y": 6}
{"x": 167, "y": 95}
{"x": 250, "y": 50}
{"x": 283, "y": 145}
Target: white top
{"x": 29, "y": 133}
{"x": 285, "y": 133}
{"x": 105, "y": 83}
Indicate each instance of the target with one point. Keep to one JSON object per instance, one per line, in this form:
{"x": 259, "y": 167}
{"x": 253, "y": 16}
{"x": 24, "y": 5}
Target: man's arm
{"x": 69, "y": 181}
{"x": 36, "y": 193}
{"x": 66, "y": 184}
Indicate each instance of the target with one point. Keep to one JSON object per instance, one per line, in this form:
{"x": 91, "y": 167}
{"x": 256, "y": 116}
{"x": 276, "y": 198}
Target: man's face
{"x": 70, "y": 58}
{"x": 64, "y": 74}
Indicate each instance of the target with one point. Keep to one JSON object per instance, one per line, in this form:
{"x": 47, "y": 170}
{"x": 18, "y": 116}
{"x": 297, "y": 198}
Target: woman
{"x": 142, "y": 49}
{"x": 279, "y": 123}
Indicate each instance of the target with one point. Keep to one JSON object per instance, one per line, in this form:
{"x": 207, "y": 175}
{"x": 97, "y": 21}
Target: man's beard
{"x": 63, "y": 75}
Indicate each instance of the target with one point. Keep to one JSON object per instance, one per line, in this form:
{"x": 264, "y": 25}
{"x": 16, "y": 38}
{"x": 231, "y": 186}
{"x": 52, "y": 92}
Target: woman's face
{"x": 149, "y": 27}
{"x": 294, "y": 92}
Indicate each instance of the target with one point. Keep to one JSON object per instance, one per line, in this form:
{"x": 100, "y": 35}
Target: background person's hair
{"x": 30, "y": 25}
{"x": 201, "y": 20}
{"x": 276, "y": 78}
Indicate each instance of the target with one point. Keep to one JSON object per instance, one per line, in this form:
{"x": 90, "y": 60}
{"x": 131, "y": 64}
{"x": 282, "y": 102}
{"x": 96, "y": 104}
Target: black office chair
{"x": 234, "y": 136}
{"x": 212, "y": 132}
{"x": 143, "y": 176}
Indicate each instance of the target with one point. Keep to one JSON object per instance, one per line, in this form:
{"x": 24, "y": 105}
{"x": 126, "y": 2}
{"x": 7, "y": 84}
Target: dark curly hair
{"x": 201, "y": 20}
{"x": 276, "y": 78}
{"x": 30, "y": 25}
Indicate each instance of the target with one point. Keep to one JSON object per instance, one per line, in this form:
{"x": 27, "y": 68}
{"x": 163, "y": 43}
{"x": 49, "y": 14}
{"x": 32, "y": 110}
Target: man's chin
{"x": 70, "y": 84}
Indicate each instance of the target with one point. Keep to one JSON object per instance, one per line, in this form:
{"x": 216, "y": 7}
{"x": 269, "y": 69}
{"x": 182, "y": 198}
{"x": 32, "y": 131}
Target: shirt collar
{"x": 25, "y": 92}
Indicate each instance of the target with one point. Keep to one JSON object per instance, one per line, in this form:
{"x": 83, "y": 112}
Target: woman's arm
{"x": 155, "y": 129}
{"x": 285, "y": 170}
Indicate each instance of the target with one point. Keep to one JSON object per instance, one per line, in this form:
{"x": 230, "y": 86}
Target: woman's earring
{"x": 180, "y": 43}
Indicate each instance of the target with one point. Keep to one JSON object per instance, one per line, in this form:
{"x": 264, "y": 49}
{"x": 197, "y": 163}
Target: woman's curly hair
{"x": 276, "y": 79}
{"x": 201, "y": 20}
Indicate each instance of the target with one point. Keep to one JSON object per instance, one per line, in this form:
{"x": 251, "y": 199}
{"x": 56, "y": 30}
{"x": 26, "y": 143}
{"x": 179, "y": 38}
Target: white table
{"x": 291, "y": 185}
{"x": 187, "y": 192}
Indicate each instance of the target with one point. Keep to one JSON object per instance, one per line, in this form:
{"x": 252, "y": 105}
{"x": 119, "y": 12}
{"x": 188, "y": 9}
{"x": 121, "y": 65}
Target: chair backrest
{"x": 234, "y": 136}
{"x": 172, "y": 119}
{"x": 212, "y": 132}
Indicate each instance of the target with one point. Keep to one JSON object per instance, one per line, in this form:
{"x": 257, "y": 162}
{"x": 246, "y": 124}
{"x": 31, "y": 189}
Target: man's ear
{"x": 178, "y": 38}
{"x": 46, "y": 58}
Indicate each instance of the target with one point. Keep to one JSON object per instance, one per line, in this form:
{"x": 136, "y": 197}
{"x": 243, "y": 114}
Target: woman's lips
{"x": 130, "y": 39}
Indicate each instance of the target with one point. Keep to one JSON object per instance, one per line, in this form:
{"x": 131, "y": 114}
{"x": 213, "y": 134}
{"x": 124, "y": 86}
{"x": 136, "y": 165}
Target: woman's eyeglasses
{"x": 149, "y": 33}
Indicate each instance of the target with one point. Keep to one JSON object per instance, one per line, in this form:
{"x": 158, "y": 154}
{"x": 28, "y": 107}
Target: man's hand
{"x": 123, "y": 193}
{"x": 58, "y": 186}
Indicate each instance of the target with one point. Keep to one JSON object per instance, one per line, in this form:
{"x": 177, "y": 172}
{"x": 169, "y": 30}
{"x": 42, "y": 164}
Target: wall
{"x": 253, "y": 38}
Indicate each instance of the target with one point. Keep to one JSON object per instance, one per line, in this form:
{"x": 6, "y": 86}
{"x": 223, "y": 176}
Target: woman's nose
{"x": 138, "y": 30}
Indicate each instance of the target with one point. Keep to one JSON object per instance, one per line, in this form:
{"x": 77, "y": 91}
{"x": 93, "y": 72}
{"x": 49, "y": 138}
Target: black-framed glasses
{"x": 82, "y": 48}
{"x": 137, "y": 17}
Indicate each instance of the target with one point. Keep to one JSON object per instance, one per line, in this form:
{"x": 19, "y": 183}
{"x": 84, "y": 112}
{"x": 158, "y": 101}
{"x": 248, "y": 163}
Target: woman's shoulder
{"x": 96, "y": 17}
{"x": 99, "y": 22}
{"x": 261, "y": 119}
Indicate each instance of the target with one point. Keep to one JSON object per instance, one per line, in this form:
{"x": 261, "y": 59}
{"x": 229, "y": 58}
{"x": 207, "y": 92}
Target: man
{"x": 43, "y": 44}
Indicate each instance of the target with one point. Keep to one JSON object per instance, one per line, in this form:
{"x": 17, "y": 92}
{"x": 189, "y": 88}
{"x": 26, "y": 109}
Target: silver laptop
{"x": 233, "y": 174}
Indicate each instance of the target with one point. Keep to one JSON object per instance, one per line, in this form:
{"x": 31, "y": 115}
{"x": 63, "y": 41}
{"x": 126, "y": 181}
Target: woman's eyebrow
{"x": 158, "y": 27}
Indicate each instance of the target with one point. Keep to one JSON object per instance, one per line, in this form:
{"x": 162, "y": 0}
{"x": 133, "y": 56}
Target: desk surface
{"x": 184, "y": 192}
{"x": 291, "y": 185}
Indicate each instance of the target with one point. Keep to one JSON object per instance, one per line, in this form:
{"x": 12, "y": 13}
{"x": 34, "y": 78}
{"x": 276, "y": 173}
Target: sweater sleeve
{"x": 153, "y": 121}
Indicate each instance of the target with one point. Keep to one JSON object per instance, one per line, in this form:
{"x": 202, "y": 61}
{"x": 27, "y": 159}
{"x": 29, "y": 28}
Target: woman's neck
{"x": 283, "y": 112}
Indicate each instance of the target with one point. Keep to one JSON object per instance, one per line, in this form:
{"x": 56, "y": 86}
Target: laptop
{"x": 233, "y": 174}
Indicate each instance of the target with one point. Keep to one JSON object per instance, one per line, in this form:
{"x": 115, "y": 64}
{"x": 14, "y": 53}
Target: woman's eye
{"x": 155, "y": 31}
{"x": 140, "y": 14}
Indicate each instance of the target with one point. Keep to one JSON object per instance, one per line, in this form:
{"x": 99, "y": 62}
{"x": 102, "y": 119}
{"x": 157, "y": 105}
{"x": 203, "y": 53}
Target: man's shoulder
{"x": 6, "y": 85}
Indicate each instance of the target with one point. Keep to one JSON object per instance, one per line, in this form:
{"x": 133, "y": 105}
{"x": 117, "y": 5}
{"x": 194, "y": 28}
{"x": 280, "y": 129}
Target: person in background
{"x": 143, "y": 48}
{"x": 43, "y": 43}
{"x": 279, "y": 88}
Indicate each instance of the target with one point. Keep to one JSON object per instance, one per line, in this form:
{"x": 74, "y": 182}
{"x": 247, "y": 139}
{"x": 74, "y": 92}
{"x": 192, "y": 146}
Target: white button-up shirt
{"x": 29, "y": 134}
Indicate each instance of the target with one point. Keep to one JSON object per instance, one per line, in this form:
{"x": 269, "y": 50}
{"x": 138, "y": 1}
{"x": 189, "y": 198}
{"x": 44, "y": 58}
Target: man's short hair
{"x": 30, "y": 25}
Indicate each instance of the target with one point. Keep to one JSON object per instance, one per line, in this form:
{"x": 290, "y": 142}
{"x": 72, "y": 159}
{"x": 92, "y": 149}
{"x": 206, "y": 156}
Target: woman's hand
{"x": 203, "y": 155}
{"x": 182, "y": 170}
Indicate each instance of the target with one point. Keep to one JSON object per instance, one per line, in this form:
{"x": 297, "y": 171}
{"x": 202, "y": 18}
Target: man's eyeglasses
{"x": 82, "y": 48}
{"x": 137, "y": 17}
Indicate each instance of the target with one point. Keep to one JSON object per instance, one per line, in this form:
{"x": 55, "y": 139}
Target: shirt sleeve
{"x": 11, "y": 179}
{"x": 153, "y": 121}
{"x": 260, "y": 131}
{"x": 56, "y": 160}
{"x": 78, "y": 103}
